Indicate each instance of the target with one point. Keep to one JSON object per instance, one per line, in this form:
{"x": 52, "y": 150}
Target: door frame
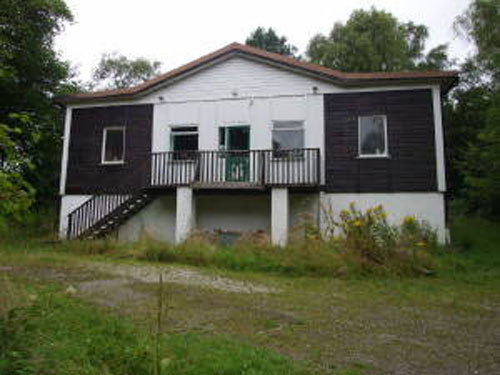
{"x": 240, "y": 162}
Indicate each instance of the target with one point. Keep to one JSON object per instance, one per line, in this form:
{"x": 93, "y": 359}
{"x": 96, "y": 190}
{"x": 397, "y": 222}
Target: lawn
{"x": 84, "y": 313}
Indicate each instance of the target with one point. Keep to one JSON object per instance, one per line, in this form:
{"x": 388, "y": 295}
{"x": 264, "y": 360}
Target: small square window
{"x": 113, "y": 145}
{"x": 373, "y": 136}
{"x": 288, "y": 138}
{"x": 184, "y": 141}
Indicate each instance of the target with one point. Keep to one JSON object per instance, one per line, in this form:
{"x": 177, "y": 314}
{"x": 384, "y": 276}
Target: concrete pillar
{"x": 280, "y": 216}
{"x": 185, "y": 213}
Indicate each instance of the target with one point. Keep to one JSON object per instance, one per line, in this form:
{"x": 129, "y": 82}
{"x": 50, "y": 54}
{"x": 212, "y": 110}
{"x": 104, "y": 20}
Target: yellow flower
{"x": 421, "y": 244}
{"x": 409, "y": 220}
{"x": 357, "y": 223}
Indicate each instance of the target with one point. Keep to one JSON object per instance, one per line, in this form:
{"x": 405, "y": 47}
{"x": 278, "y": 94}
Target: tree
{"x": 481, "y": 165}
{"x": 16, "y": 193}
{"x": 31, "y": 73}
{"x": 376, "y": 41}
{"x": 116, "y": 71}
{"x": 473, "y": 114}
{"x": 270, "y": 41}
{"x": 481, "y": 24}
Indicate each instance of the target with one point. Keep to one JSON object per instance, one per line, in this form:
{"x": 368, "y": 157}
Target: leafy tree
{"x": 31, "y": 73}
{"x": 376, "y": 41}
{"x": 481, "y": 167}
{"x": 481, "y": 24}
{"x": 16, "y": 193}
{"x": 270, "y": 41}
{"x": 473, "y": 115}
{"x": 116, "y": 71}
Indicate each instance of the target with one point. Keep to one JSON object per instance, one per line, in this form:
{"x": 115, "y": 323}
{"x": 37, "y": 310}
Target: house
{"x": 246, "y": 140}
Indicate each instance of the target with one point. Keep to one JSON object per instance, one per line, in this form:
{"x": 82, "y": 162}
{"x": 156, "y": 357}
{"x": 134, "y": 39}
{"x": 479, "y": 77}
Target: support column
{"x": 185, "y": 213}
{"x": 280, "y": 216}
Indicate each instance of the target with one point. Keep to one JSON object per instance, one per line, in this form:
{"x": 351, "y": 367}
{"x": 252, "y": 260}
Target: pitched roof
{"x": 445, "y": 78}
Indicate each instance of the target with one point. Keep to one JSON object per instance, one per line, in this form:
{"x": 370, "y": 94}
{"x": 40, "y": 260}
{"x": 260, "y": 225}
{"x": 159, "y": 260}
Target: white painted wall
{"x": 156, "y": 220}
{"x": 237, "y": 213}
{"x": 68, "y": 204}
{"x": 424, "y": 206}
{"x": 280, "y": 216}
{"x": 185, "y": 217}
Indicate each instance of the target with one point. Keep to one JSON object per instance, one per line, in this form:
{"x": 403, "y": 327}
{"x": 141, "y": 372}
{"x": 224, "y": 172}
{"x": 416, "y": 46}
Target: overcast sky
{"x": 176, "y": 32}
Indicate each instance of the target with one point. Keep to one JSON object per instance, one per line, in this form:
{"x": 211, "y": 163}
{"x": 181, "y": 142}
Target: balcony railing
{"x": 259, "y": 168}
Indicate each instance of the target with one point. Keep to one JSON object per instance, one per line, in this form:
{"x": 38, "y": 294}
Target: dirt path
{"x": 394, "y": 328}
{"x": 179, "y": 275}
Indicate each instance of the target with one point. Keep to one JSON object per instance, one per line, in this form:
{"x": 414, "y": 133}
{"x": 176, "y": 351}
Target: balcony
{"x": 249, "y": 169}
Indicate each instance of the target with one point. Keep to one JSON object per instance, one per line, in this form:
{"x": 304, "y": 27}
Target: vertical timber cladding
{"x": 86, "y": 174}
{"x": 411, "y": 165}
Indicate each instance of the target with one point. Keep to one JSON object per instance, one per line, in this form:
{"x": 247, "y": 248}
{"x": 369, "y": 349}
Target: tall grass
{"x": 59, "y": 335}
{"x": 475, "y": 250}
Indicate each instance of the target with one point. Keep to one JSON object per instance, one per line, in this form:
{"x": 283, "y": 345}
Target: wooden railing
{"x": 92, "y": 211}
{"x": 218, "y": 169}
{"x": 298, "y": 167}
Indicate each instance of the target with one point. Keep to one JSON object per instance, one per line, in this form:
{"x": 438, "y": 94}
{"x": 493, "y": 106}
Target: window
{"x": 184, "y": 141}
{"x": 373, "y": 136}
{"x": 288, "y": 135}
{"x": 113, "y": 145}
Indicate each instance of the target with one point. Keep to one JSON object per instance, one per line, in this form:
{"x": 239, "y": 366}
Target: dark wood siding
{"x": 411, "y": 143}
{"x": 86, "y": 174}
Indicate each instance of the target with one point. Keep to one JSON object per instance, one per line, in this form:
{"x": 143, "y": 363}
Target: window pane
{"x": 287, "y": 125}
{"x": 372, "y": 135}
{"x": 185, "y": 129}
{"x": 185, "y": 142}
{"x": 288, "y": 139}
{"x": 114, "y": 145}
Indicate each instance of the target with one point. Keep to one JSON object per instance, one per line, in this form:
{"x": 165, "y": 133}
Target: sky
{"x": 176, "y": 32}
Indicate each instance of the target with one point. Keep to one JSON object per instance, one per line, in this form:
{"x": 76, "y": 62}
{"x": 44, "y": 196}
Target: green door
{"x": 236, "y": 140}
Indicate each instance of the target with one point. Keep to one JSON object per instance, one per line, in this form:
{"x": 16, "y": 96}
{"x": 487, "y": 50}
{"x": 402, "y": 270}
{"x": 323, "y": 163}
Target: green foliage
{"x": 375, "y": 41}
{"x": 481, "y": 165}
{"x": 472, "y": 116}
{"x": 116, "y": 71}
{"x": 31, "y": 73}
{"x": 197, "y": 354}
{"x": 300, "y": 258}
{"x": 481, "y": 24}
{"x": 16, "y": 194}
{"x": 375, "y": 246}
{"x": 476, "y": 256}
{"x": 56, "y": 334}
{"x": 59, "y": 335}
{"x": 270, "y": 41}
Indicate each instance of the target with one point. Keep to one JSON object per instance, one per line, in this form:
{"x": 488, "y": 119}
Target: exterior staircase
{"x": 102, "y": 214}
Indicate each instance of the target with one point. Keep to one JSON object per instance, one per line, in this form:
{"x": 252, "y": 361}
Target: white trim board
{"x": 439, "y": 139}
{"x": 65, "y": 151}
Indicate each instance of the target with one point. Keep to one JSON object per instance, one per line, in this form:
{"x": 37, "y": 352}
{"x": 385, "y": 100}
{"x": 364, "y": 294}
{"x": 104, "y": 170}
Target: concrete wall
{"x": 424, "y": 206}
{"x": 156, "y": 220}
{"x": 238, "y": 213}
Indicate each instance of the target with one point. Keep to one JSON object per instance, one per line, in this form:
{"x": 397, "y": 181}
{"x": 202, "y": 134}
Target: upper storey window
{"x": 288, "y": 135}
{"x": 113, "y": 145}
{"x": 373, "y": 136}
{"x": 184, "y": 141}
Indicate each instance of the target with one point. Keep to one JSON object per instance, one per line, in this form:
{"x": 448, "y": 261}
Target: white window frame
{"x": 103, "y": 146}
{"x": 385, "y": 154}
{"x": 174, "y": 133}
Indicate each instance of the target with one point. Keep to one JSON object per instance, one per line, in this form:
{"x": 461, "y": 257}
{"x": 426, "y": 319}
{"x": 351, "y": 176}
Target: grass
{"x": 344, "y": 322}
{"x": 56, "y": 334}
{"x": 473, "y": 256}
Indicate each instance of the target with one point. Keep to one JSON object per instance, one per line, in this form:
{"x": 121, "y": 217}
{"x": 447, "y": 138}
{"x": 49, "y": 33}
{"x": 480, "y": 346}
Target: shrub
{"x": 371, "y": 244}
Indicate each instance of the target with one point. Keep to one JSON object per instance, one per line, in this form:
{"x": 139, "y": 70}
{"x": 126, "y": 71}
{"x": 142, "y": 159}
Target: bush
{"x": 368, "y": 240}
